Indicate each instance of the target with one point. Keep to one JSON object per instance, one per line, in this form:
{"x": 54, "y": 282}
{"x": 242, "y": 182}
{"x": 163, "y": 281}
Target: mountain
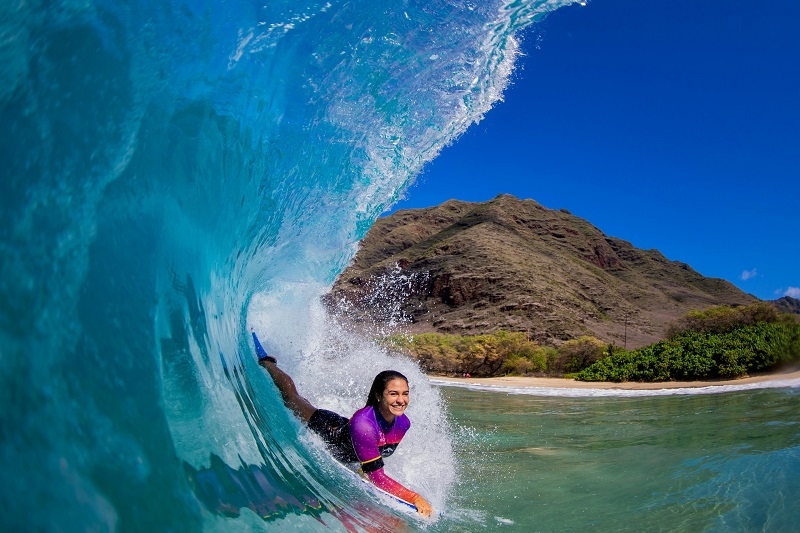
{"x": 787, "y": 304}
{"x": 471, "y": 268}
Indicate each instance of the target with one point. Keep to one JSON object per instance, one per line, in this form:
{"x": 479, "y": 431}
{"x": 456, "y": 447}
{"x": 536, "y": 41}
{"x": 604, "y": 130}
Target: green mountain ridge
{"x": 515, "y": 265}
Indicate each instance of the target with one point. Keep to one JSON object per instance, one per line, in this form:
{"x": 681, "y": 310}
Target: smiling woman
{"x": 372, "y": 433}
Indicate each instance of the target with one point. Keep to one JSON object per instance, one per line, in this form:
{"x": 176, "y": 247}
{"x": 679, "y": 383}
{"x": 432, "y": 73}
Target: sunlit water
{"x": 700, "y": 462}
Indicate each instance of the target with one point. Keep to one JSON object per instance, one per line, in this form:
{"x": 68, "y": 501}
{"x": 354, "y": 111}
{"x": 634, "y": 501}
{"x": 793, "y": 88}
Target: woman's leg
{"x": 286, "y": 386}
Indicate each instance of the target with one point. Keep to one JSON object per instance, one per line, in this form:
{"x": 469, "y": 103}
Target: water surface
{"x": 700, "y": 462}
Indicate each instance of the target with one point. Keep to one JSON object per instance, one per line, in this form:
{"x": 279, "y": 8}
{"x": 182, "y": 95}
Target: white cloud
{"x": 747, "y": 274}
{"x": 794, "y": 292}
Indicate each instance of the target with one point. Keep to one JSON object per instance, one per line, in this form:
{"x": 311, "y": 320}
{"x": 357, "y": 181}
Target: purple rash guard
{"x": 373, "y": 439}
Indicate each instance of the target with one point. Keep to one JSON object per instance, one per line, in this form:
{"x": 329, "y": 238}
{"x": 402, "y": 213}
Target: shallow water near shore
{"x": 705, "y": 462}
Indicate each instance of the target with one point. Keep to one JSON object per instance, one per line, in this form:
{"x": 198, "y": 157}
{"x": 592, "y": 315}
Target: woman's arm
{"x": 385, "y": 483}
{"x": 365, "y": 434}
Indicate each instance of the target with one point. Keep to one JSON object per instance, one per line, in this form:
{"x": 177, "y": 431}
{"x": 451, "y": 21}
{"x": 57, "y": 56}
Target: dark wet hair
{"x": 379, "y": 385}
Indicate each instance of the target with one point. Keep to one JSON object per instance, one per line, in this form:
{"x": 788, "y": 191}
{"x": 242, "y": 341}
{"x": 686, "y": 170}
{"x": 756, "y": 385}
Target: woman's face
{"x": 394, "y": 399}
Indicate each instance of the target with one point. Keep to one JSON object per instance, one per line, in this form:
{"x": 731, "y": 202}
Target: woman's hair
{"x": 379, "y": 385}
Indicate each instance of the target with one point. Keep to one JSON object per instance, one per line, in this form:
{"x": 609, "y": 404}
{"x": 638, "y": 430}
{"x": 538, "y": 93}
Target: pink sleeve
{"x": 384, "y": 482}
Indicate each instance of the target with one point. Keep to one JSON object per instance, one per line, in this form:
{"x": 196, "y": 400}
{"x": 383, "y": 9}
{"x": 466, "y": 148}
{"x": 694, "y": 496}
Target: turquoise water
{"x": 176, "y": 173}
{"x": 698, "y": 462}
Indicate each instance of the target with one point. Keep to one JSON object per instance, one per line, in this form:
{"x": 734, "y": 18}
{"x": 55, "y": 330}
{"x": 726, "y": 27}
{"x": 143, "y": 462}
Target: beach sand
{"x": 559, "y": 383}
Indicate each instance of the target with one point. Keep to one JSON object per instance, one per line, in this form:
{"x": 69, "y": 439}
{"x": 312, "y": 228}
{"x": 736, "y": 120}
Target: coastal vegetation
{"x": 718, "y": 343}
{"x": 499, "y": 353}
{"x": 491, "y": 354}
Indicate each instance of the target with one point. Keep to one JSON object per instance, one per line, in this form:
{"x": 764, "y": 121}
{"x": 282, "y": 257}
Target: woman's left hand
{"x": 423, "y": 507}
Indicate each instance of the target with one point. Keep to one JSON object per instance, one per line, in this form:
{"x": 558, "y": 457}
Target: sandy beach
{"x": 560, "y": 383}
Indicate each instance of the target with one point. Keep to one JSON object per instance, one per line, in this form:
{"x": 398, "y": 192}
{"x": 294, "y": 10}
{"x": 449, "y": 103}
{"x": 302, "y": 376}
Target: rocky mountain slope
{"x": 787, "y": 304}
{"x": 512, "y": 264}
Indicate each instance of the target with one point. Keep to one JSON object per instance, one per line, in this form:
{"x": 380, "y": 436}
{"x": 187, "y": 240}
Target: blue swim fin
{"x": 260, "y": 351}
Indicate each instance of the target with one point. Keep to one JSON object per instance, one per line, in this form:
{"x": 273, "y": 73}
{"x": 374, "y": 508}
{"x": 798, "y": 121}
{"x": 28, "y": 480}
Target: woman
{"x": 372, "y": 433}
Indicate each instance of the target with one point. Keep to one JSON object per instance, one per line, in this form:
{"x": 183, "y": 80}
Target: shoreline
{"x": 520, "y": 382}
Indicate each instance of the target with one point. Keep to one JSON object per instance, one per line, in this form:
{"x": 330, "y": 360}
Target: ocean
{"x": 175, "y": 174}
{"x": 695, "y": 460}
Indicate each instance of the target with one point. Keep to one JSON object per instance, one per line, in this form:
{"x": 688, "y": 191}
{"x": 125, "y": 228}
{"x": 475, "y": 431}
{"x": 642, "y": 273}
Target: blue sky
{"x": 674, "y": 125}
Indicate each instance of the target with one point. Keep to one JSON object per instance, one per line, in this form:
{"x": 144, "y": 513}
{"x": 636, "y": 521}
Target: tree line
{"x": 718, "y": 343}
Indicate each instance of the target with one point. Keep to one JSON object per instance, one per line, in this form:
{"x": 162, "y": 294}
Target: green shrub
{"x": 697, "y": 355}
{"x": 501, "y": 352}
{"x": 721, "y": 319}
{"x": 551, "y": 360}
{"x": 577, "y": 354}
{"x": 516, "y": 364}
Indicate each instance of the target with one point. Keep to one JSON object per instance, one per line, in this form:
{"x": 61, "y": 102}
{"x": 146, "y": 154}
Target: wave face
{"x": 174, "y": 173}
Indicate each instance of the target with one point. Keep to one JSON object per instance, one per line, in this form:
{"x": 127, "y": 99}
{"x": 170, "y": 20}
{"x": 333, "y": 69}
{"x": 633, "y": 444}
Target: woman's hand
{"x": 422, "y": 505}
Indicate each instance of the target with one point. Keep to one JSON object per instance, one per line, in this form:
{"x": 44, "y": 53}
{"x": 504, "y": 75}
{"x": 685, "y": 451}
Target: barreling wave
{"x": 174, "y": 173}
